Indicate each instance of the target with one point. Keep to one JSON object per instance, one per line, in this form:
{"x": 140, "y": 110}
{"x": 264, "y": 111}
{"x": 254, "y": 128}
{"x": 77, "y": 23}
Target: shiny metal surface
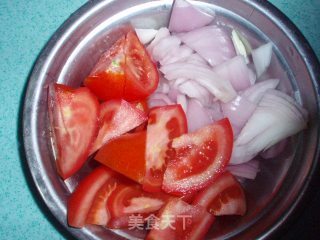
{"x": 76, "y": 46}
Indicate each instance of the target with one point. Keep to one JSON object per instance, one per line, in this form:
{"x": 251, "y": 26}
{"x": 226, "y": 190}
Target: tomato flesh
{"x": 129, "y": 199}
{"x": 99, "y": 213}
{"x": 124, "y": 71}
{"x": 198, "y": 158}
{"x": 74, "y": 122}
{"x": 80, "y": 201}
{"x": 126, "y": 155}
{"x": 142, "y": 76}
{"x": 224, "y": 196}
{"x": 164, "y": 124}
{"x": 116, "y": 118}
{"x": 179, "y": 220}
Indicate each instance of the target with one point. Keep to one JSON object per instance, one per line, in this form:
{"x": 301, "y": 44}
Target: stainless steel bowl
{"x": 75, "y": 47}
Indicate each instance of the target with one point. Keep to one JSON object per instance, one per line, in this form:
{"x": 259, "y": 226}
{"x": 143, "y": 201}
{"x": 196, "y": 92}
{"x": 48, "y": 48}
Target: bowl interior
{"x": 76, "y": 47}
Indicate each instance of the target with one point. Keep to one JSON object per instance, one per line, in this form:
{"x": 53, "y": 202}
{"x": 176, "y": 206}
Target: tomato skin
{"x": 224, "y": 196}
{"x": 73, "y": 117}
{"x": 198, "y": 158}
{"x": 125, "y": 155}
{"x": 178, "y": 220}
{"x": 124, "y": 71}
{"x": 164, "y": 124}
{"x": 116, "y": 118}
{"x": 80, "y": 201}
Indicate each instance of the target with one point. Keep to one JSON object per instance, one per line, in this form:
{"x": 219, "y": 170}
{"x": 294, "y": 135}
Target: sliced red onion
{"x": 164, "y": 47}
{"x": 161, "y": 96}
{"x": 302, "y": 111}
{"x": 262, "y": 58}
{"x": 255, "y": 93}
{"x": 220, "y": 88}
{"x": 173, "y": 94}
{"x": 215, "y": 111}
{"x": 178, "y": 82}
{"x": 180, "y": 53}
{"x": 163, "y": 86}
{"x": 247, "y": 170}
{"x": 236, "y": 71}
{"x": 182, "y": 100}
{"x": 195, "y": 58}
{"x": 274, "y": 150}
{"x": 156, "y": 103}
{"x": 162, "y": 33}
{"x": 274, "y": 119}
{"x": 146, "y": 35}
{"x": 193, "y": 90}
{"x": 239, "y": 110}
{"x": 185, "y": 17}
{"x": 197, "y": 115}
{"x": 252, "y": 76}
{"x": 211, "y": 42}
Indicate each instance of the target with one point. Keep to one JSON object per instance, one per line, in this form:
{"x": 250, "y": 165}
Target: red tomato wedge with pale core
{"x": 164, "y": 124}
{"x": 224, "y": 196}
{"x": 74, "y": 122}
{"x": 198, "y": 158}
{"x": 142, "y": 75}
{"x": 125, "y": 155}
{"x": 116, "y": 118}
{"x": 99, "y": 213}
{"x": 124, "y": 71}
{"x": 179, "y": 220}
{"x": 81, "y": 199}
{"x": 129, "y": 199}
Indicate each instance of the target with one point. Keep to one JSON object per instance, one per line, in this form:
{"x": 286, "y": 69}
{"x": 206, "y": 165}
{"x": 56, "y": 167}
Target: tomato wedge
{"x": 198, "y": 158}
{"x": 99, "y": 213}
{"x": 164, "y": 124}
{"x": 74, "y": 122}
{"x": 126, "y": 155}
{"x": 179, "y": 220}
{"x": 116, "y": 118}
{"x": 81, "y": 199}
{"x": 224, "y": 196}
{"x": 124, "y": 71}
{"x": 142, "y": 75}
{"x": 129, "y": 199}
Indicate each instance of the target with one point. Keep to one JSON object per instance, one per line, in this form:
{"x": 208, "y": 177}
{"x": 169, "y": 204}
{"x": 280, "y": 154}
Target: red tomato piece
{"x": 98, "y": 213}
{"x": 116, "y": 118}
{"x": 142, "y": 76}
{"x": 74, "y": 122}
{"x": 129, "y": 199}
{"x": 124, "y": 71}
{"x": 107, "y": 78}
{"x": 180, "y": 221}
{"x": 125, "y": 155}
{"x": 81, "y": 199}
{"x": 164, "y": 124}
{"x": 198, "y": 158}
{"x": 224, "y": 196}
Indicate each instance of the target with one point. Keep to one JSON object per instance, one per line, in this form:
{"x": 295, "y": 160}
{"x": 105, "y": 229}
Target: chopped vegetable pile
{"x": 173, "y": 116}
